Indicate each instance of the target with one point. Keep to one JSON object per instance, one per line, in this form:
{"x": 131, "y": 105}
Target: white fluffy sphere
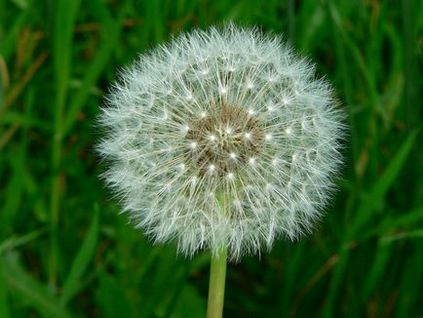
{"x": 222, "y": 139}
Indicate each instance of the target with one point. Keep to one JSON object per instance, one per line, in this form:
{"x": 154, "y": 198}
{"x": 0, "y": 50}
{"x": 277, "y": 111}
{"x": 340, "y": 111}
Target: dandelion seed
{"x": 223, "y": 90}
{"x": 250, "y": 85}
{"x": 203, "y": 114}
{"x": 218, "y": 84}
{"x": 268, "y": 137}
{"x": 288, "y": 130}
{"x": 230, "y": 176}
{"x": 251, "y": 112}
{"x": 185, "y": 128}
{"x": 189, "y": 97}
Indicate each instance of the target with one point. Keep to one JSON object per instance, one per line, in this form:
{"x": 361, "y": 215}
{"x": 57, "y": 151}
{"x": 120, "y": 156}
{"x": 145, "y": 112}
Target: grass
{"x": 65, "y": 251}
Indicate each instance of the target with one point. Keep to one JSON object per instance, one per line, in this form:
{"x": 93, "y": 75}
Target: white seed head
{"x": 258, "y": 131}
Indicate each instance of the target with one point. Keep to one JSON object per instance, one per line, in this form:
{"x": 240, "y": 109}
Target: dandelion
{"x": 222, "y": 140}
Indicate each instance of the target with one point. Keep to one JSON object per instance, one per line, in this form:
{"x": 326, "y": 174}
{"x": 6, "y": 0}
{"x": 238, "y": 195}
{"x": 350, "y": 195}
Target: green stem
{"x": 217, "y": 285}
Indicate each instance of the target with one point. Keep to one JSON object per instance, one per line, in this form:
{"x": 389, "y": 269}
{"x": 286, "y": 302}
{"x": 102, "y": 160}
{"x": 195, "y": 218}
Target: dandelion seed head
{"x": 222, "y": 115}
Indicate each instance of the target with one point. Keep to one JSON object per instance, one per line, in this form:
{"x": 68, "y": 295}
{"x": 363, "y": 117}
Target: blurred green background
{"x": 65, "y": 251}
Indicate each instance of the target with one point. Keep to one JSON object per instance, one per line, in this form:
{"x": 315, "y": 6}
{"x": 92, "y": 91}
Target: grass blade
{"x": 4, "y": 304}
{"x": 14, "y": 241}
{"x": 366, "y": 210}
{"x": 81, "y": 261}
{"x": 111, "y": 35}
{"x": 29, "y": 289}
{"x": 374, "y": 200}
{"x": 64, "y": 20}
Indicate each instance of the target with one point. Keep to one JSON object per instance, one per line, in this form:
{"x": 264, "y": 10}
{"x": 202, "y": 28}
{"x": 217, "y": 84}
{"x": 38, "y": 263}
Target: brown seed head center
{"x": 223, "y": 141}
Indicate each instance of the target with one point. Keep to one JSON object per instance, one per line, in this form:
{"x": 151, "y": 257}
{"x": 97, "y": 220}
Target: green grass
{"x": 66, "y": 252}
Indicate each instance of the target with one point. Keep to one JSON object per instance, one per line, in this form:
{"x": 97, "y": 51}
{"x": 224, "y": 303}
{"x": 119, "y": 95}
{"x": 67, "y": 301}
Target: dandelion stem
{"x": 217, "y": 285}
